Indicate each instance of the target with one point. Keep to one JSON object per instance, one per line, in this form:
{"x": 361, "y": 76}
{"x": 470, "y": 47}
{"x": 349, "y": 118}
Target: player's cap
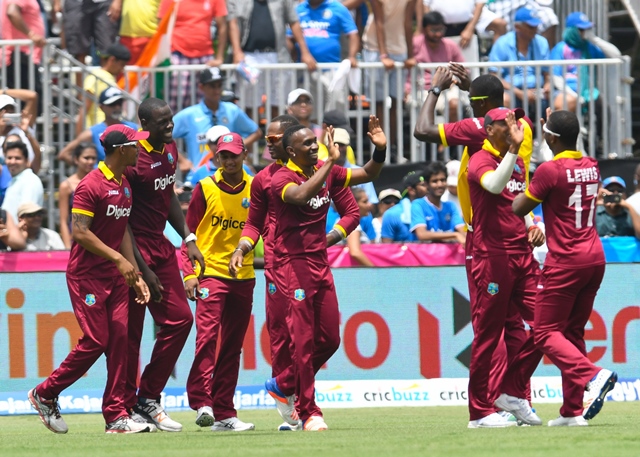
{"x": 411, "y": 179}
{"x": 110, "y": 95}
{"x": 229, "y": 96}
{"x": 295, "y": 94}
{"x": 579, "y": 20}
{"x": 528, "y": 16}
{"x": 6, "y": 100}
{"x": 341, "y": 136}
{"x": 119, "y": 134}
{"x": 453, "y": 169}
{"x": 117, "y": 50}
{"x": 500, "y": 114}
{"x": 614, "y": 180}
{"x": 231, "y": 142}
{"x": 389, "y": 193}
{"x": 29, "y": 208}
{"x": 209, "y": 75}
{"x": 215, "y": 132}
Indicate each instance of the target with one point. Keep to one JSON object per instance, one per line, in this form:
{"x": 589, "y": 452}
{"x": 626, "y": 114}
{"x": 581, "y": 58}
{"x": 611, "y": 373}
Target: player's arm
{"x": 149, "y": 277}
{"x": 66, "y": 154}
{"x": 195, "y": 214}
{"x": 426, "y": 128}
{"x": 347, "y": 208}
{"x": 524, "y": 203}
{"x": 177, "y": 221}
{"x": 126, "y": 249}
{"x": 253, "y": 227}
{"x": 81, "y": 232}
{"x": 373, "y": 167}
{"x": 495, "y": 181}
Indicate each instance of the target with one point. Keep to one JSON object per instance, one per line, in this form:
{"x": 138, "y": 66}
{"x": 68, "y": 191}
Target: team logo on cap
{"x": 299, "y": 294}
{"x": 204, "y": 292}
{"x": 245, "y": 202}
{"x": 90, "y": 299}
{"x": 127, "y": 192}
{"x": 170, "y": 158}
{"x": 272, "y": 288}
{"x": 227, "y": 138}
{"x": 493, "y": 288}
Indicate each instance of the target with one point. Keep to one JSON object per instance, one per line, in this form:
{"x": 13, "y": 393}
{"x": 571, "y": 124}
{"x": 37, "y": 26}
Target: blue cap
{"x": 614, "y": 180}
{"x": 579, "y": 20}
{"x": 528, "y": 16}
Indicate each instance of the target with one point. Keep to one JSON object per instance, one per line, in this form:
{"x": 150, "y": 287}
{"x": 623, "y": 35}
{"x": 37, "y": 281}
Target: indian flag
{"x": 155, "y": 54}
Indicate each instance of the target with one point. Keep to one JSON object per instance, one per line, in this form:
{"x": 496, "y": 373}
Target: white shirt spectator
{"x": 24, "y": 187}
{"x": 634, "y": 201}
{"x": 47, "y": 240}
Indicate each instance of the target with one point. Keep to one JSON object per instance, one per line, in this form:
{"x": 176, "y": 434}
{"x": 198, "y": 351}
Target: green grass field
{"x": 367, "y": 432}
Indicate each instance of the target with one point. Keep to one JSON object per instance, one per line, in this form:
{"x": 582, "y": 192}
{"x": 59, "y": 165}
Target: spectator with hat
{"x": 112, "y": 63}
{"x": 193, "y": 122}
{"x": 25, "y": 186}
{"x": 507, "y": 9}
{"x": 22, "y": 125}
{"x": 110, "y": 102}
{"x": 396, "y": 222}
{"x": 615, "y": 216}
{"x": 336, "y": 119}
{"x": 37, "y": 237}
{"x": 387, "y": 199}
{"x": 523, "y": 44}
{"x": 300, "y": 106}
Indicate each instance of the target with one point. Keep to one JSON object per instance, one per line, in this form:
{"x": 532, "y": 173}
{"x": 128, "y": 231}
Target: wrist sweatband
{"x": 379, "y": 155}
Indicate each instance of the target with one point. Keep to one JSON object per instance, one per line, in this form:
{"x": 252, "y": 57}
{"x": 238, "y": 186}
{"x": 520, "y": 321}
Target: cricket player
{"x": 567, "y": 187}
{"x": 154, "y": 202}
{"x": 100, "y": 258}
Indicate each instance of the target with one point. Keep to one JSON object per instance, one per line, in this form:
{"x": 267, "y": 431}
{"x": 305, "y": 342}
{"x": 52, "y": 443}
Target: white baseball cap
{"x": 216, "y": 132}
{"x": 6, "y": 100}
{"x": 453, "y": 169}
{"x": 341, "y": 136}
{"x": 295, "y": 94}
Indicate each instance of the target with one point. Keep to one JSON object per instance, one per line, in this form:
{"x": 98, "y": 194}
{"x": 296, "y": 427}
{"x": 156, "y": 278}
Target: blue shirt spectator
{"x": 444, "y": 219}
{"x": 209, "y": 169}
{"x": 396, "y": 223}
{"x": 193, "y": 122}
{"x": 98, "y": 130}
{"x": 322, "y": 26}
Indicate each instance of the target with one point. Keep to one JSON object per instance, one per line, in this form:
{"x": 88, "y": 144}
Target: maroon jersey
{"x": 300, "y": 231}
{"x": 496, "y": 229}
{"x": 152, "y": 181}
{"x": 567, "y": 187}
{"x": 468, "y": 132}
{"x": 100, "y": 196}
{"x": 262, "y": 216}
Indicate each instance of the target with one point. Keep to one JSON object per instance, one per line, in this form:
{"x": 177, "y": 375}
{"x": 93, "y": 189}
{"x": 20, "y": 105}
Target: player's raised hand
{"x": 192, "y": 288}
{"x": 442, "y": 78}
{"x": 127, "y": 270}
{"x": 236, "y": 262}
{"x": 332, "y": 148}
{"x": 460, "y": 72}
{"x": 516, "y": 130}
{"x": 142, "y": 291}
{"x": 375, "y": 133}
{"x": 535, "y": 236}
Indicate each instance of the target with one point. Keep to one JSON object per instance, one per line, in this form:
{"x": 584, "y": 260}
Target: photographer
{"x": 615, "y": 216}
{"x": 14, "y": 122}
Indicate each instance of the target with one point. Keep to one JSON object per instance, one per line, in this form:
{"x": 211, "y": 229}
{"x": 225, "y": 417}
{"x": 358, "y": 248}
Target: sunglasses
{"x": 479, "y": 97}
{"x": 273, "y": 139}
{"x": 130, "y": 143}
{"x": 38, "y": 214}
{"x": 546, "y": 130}
{"x": 390, "y": 201}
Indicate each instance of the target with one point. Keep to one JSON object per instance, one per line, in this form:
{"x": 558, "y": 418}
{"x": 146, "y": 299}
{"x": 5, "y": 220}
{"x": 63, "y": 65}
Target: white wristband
{"x": 190, "y": 237}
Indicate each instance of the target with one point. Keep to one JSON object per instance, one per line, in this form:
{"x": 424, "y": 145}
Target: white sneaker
{"x": 153, "y": 412}
{"x": 285, "y": 404}
{"x": 233, "y": 424}
{"x": 519, "y": 407}
{"x": 49, "y": 412}
{"x": 204, "y": 418}
{"x": 315, "y": 424}
{"x": 125, "y": 424}
{"x": 577, "y": 421}
{"x": 287, "y": 427}
{"x": 493, "y": 420}
{"x": 597, "y": 390}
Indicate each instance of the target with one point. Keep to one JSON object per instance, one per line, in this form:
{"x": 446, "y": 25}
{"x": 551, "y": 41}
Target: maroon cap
{"x": 120, "y": 133}
{"x": 500, "y": 114}
{"x": 231, "y": 142}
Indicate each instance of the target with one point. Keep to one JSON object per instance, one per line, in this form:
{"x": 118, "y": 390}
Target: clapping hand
{"x": 375, "y": 133}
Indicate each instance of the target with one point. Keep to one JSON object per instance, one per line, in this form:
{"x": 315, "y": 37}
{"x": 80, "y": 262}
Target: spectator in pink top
{"x": 191, "y": 44}
{"x": 21, "y": 19}
{"x": 432, "y": 47}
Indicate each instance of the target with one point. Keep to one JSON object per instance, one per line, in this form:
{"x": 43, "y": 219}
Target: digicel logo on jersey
{"x": 317, "y": 202}
{"x": 226, "y": 223}
{"x": 516, "y": 186}
{"x": 118, "y": 212}
{"x": 162, "y": 183}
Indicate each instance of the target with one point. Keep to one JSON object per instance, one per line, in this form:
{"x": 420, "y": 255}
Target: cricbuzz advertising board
{"x": 406, "y": 336}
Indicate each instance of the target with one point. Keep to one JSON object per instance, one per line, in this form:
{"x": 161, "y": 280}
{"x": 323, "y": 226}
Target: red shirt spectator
{"x": 21, "y": 19}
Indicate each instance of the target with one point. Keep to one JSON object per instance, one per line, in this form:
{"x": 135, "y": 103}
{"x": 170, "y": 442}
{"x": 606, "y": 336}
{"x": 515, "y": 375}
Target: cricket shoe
{"x": 577, "y": 421}
{"x": 598, "y": 388}
{"x": 49, "y": 412}
{"x": 315, "y": 424}
{"x": 519, "y": 407}
{"x": 493, "y": 420}
{"x": 204, "y": 418}
{"x": 232, "y": 424}
{"x": 153, "y": 412}
{"x": 287, "y": 427}
{"x": 285, "y": 404}
{"x": 125, "y": 424}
